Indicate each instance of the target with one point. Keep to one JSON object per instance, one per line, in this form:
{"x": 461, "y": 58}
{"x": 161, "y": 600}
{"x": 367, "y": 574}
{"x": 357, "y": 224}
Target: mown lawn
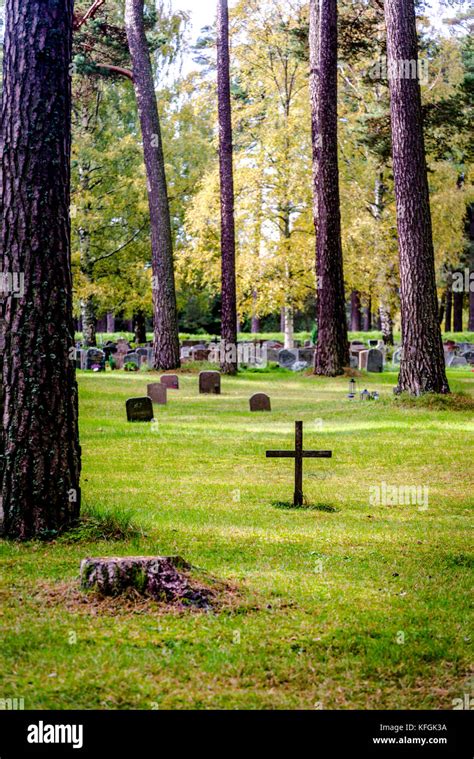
{"x": 347, "y": 604}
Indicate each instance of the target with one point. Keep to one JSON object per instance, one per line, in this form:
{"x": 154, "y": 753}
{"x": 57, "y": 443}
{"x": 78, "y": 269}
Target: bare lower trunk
{"x": 458, "y": 304}
{"x": 167, "y": 355}
{"x": 471, "y": 266}
{"x": 422, "y": 367}
{"x": 110, "y": 322}
{"x": 40, "y": 487}
{"x": 229, "y": 296}
{"x": 332, "y": 353}
{"x": 386, "y": 324}
{"x": 289, "y": 328}
{"x": 368, "y": 315}
{"x": 356, "y": 323}
{"x": 139, "y": 328}
{"x": 89, "y": 323}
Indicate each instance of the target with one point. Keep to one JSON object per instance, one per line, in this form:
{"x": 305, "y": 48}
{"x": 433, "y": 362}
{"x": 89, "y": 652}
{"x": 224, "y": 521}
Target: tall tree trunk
{"x": 89, "y": 323}
{"x": 386, "y": 324}
{"x": 368, "y": 314}
{"x": 449, "y": 304}
{"x": 356, "y": 323}
{"x": 289, "y": 331}
{"x": 255, "y": 328}
{"x": 470, "y": 219}
{"x": 110, "y": 322}
{"x": 332, "y": 353}
{"x": 139, "y": 327}
{"x": 422, "y": 367}
{"x": 458, "y": 304}
{"x": 229, "y": 294}
{"x": 166, "y": 332}
{"x": 40, "y": 487}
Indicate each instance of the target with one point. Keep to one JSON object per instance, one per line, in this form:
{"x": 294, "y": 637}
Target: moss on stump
{"x": 163, "y": 578}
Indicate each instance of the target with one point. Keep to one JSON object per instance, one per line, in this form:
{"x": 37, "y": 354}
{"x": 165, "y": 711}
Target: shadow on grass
{"x": 289, "y": 506}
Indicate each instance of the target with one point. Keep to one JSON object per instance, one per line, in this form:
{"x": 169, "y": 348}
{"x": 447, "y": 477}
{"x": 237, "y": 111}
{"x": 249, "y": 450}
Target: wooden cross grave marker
{"x": 298, "y": 455}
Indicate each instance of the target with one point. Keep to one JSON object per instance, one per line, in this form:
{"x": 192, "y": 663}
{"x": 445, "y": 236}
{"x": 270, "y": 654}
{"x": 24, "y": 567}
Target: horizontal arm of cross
{"x": 304, "y": 454}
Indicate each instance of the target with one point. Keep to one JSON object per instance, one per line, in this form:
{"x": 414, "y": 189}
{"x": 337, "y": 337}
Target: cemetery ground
{"x": 345, "y": 603}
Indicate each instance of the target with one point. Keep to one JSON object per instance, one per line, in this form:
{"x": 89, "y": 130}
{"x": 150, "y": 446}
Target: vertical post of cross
{"x": 298, "y": 497}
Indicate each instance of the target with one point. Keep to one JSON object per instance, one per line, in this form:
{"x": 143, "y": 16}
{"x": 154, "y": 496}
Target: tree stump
{"x": 163, "y": 578}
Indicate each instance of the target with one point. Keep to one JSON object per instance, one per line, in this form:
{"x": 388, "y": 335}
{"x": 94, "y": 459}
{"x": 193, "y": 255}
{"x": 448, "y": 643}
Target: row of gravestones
{"x": 464, "y": 356}
{"x": 141, "y": 409}
{"x": 370, "y": 360}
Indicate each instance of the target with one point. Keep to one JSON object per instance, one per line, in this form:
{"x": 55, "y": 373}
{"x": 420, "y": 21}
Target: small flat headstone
{"x": 140, "y": 410}
{"x": 158, "y": 393}
{"x": 171, "y": 381}
{"x": 260, "y": 402}
{"x": 210, "y": 383}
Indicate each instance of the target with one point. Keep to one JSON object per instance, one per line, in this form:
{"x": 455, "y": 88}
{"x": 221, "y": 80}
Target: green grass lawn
{"x": 346, "y": 604}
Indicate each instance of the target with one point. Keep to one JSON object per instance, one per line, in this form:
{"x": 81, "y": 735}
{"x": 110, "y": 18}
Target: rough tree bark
{"x": 332, "y": 353}
{"x": 166, "y": 332}
{"x": 40, "y": 486}
{"x": 422, "y": 367}
{"x": 470, "y": 230}
{"x": 229, "y": 295}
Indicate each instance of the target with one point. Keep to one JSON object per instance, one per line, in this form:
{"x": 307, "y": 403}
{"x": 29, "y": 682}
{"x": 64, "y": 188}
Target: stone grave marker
{"x": 469, "y": 356}
{"x": 363, "y": 359}
{"x": 171, "y": 381}
{"x": 286, "y": 358}
{"x": 139, "y": 410}
{"x": 158, "y": 393}
{"x": 210, "y": 383}
{"x": 375, "y": 360}
{"x": 458, "y": 361}
{"x": 132, "y": 358}
{"x": 95, "y": 358}
{"x": 260, "y": 402}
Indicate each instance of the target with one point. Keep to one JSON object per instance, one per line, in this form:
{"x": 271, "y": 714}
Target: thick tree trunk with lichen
{"x": 40, "y": 484}
{"x": 422, "y": 367}
{"x": 166, "y": 332}
{"x": 228, "y": 277}
{"x": 163, "y": 578}
{"x": 332, "y": 353}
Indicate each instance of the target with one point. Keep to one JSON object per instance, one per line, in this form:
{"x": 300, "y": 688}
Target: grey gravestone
{"x": 458, "y": 361}
{"x": 397, "y": 356}
{"x": 171, "y": 381}
{"x": 307, "y": 354}
{"x": 158, "y": 393}
{"x": 354, "y": 360}
{"x": 95, "y": 357}
{"x": 210, "y": 383}
{"x": 363, "y": 359}
{"x": 132, "y": 358}
{"x": 375, "y": 360}
{"x": 260, "y": 402}
{"x": 374, "y": 343}
{"x": 299, "y": 366}
{"x": 286, "y": 358}
{"x": 272, "y": 354}
{"x": 469, "y": 356}
{"x": 140, "y": 410}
